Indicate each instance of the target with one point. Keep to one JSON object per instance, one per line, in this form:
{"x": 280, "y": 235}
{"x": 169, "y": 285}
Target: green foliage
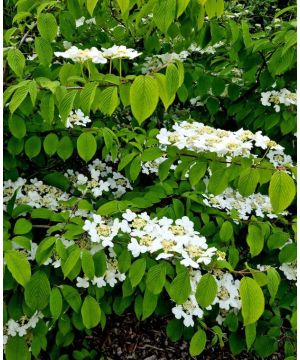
{"x": 81, "y": 148}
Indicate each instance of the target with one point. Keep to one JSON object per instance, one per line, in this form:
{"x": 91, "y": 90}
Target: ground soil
{"x": 126, "y": 338}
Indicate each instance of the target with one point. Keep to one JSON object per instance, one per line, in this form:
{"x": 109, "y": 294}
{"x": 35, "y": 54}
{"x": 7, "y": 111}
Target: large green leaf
{"x": 109, "y": 100}
{"x": 137, "y": 271}
{"x": 37, "y": 291}
{"x": 180, "y": 288}
{"x": 255, "y": 239}
{"x": 86, "y": 146}
{"x": 143, "y": 97}
{"x": 207, "y": 289}
{"x": 164, "y": 14}
{"x": 156, "y": 278}
{"x": 47, "y": 26}
{"x": 253, "y": 301}
{"x": 16, "y": 349}
{"x": 19, "y": 266}
{"x": 198, "y": 343}
{"x": 16, "y": 61}
{"x": 90, "y": 312}
{"x": 282, "y": 191}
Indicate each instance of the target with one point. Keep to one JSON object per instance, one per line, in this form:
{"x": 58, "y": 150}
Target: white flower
{"x": 82, "y": 282}
{"x": 99, "y": 281}
{"x": 77, "y": 118}
{"x": 120, "y": 52}
{"x": 289, "y": 270}
{"x": 78, "y": 55}
{"x": 79, "y": 22}
{"x": 187, "y": 310}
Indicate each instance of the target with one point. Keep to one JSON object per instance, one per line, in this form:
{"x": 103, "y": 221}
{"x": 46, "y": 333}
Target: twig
{"x": 26, "y": 34}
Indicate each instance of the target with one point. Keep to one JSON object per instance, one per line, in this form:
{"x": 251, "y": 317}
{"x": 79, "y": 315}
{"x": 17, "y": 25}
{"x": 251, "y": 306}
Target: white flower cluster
{"x": 35, "y": 194}
{"x": 111, "y": 276}
{"x": 276, "y": 98}
{"x": 289, "y": 270}
{"x": 120, "y": 52}
{"x": 237, "y": 205}
{"x": 21, "y": 327}
{"x": 210, "y": 49}
{"x": 201, "y": 138}
{"x": 168, "y": 239}
{"x": 228, "y": 297}
{"x": 151, "y": 167}
{"x": 81, "y": 21}
{"x": 77, "y": 118}
{"x": 79, "y": 55}
{"x": 279, "y": 158}
{"x": 155, "y": 62}
{"x": 100, "y": 179}
{"x": 164, "y": 237}
{"x": 98, "y": 56}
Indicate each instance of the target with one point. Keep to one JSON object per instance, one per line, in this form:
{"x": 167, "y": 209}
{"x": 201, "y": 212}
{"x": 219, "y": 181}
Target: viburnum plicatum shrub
{"x": 149, "y": 165}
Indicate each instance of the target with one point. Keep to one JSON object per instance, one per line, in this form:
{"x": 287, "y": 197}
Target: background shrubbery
{"x": 158, "y": 176}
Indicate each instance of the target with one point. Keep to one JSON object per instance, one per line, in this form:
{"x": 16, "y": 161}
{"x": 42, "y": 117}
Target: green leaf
{"x": 277, "y": 240}
{"x": 55, "y": 303}
{"x": 180, "y": 288}
{"x": 65, "y": 148}
{"x": 149, "y": 304}
{"x": 163, "y": 91}
{"x": 124, "y": 5}
{"x": 22, "y": 226}
{"x": 16, "y": 349}
{"x": 181, "y": 6}
{"x": 253, "y": 301}
{"x": 50, "y": 144}
{"x": 72, "y": 297}
{"x": 135, "y": 168}
{"x": 288, "y": 253}
{"x": 143, "y": 97}
{"x": 19, "y": 266}
{"x": 16, "y": 61}
{"x": 282, "y": 191}
{"x": 109, "y": 100}
{"x": 151, "y": 154}
{"x": 164, "y": 169}
{"x": 250, "y": 333}
{"x": 126, "y": 160}
{"x": 44, "y": 50}
{"x": 37, "y": 291}
{"x": 87, "y": 263}
{"x": 207, "y": 290}
{"x": 17, "y": 126}
{"x": 255, "y": 240}
{"x": 71, "y": 261}
{"x": 86, "y": 146}
{"x": 164, "y": 14}
{"x": 248, "y": 181}
{"x": 156, "y": 278}
{"x": 90, "y": 312}
{"x": 47, "y": 108}
{"x": 100, "y": 265}
{"x": 273, "y": 282}
{"x": 198, "y": 343}
{"x": 197, "y": 172}
{"x": 218, "y": 182}
{"x": 87, "y": 96}
{"x": 91, "y": 4}
{"x": 108, "y": 138}
{"x": 174, "y": 329}
{"x": 172, "y": 80}
{"x": 66, "y": 105}
{"x": 44, "y": 250}
{"x": 47, "y": 26}
{"x": 226, "y": 231}
{"x": 137, "y": 271}
{"x": 17, "y": 98}
{"x": 33, "y": 146}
